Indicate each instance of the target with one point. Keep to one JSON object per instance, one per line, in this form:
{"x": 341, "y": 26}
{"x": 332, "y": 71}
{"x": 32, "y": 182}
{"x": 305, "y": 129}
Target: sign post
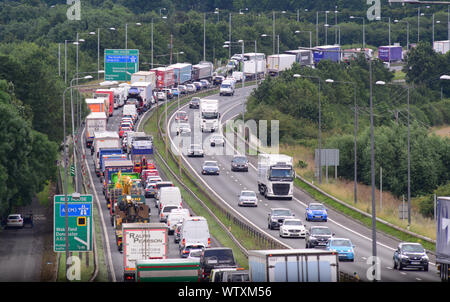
{"x": 79, "y": 212}
{"x": 117, "y": 60}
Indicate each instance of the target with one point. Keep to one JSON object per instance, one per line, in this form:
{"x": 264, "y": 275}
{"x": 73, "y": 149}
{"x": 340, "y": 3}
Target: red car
{"x": 124, "y": 129}
{"x": 182, "y": 116}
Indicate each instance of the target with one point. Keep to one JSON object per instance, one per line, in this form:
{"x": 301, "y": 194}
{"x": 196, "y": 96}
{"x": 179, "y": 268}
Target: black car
{"x": 194, "y": 103}
{"x": 410, "y": 254}
{"x": 277, "y": 216}
{"x": 317, "y": 236}
{"x": 239, "y": 163}
{"x": 217, "y": 257}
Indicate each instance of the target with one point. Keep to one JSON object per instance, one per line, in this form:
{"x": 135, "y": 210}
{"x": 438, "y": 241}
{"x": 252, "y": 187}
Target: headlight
{"x": 425, "y": 257}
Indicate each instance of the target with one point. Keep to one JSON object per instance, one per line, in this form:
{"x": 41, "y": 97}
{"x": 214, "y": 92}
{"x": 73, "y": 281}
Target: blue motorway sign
{"x": 76, "y": 210}
{"x": 120, "y": 59}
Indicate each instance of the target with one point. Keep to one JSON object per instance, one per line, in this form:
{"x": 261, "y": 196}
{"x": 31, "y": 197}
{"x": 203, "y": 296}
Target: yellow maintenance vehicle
{"x": 130, "y": 206}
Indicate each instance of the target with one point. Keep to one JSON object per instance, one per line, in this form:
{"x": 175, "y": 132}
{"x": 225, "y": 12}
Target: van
{"x": 194, "y": 230}
{"x": 166, "y": 210}
{"x": 227, "y": 88}
{"x": 174, "y": 217}
{"x": 169, "y": 196}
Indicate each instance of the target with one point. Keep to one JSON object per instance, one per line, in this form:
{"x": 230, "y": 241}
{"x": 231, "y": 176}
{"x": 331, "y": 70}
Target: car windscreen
{"x": 210, "y": 164}
{"x": 292, "y": 222}
{"x": 339, "y": 242}
{"x": 13, "y": 217}
{"x": 316, "y": 207}
{"x": 413, "y": 248}
{"x": 163, "y": 185}
{"x": 248, "y": 194}
{"x": 320, "y": 231}
{"x": 281, "y": 213}
{"x": 225, "y": 86}
{"x": 240, "y": 159}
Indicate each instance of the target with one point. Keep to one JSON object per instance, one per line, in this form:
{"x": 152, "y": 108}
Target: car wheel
{"x": 400, "y": 267}
{"x": 269, "y": 226}
{"x": 425, "y": 268}
{"x": 395, "y": 264}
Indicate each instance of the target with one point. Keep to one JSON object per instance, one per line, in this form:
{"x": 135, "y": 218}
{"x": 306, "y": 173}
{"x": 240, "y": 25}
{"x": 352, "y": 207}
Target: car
{"x": 205, "y": 84}
{"x": 198, "y": 85}
{"x": 161, "y": 96}
{"x": 410, "y": 254}
{"x": 277, "y": 216}
{"x": 175, "y": 92}
{"x": 210, "y": 167}
{"x": 127, "y": 119}
{"x": 229, "y": 275}
{"x": 248, "y": 198}
{"x": 343, "y": 247}
{"x": 184, "y": 252}
{"x": 216, "y": 257}
{"x": 150, "y": 186}
{"x": 191, "y": 88}
{"x": 152, "y": 180}
{"x": 14, "y": 221}
{"x": 177, "y": 232}
{"x": 217, "y": 140}
{"x": 122, "y": 130}
{"x": 292, "y": 228}
{"x": 126, "y": 124}
{"x": 317, "y": 236}
{"x": 195, "y": 254}
{"x": 239, "y": 163}
{"x": 166, "y": 210}
{"x": 182, "y": 89}
{"x": 317, "y": 212}
{"x": 181, "y": 116}
{"x": 184, "y": 128}
{"x": 218, "y": 80}
{"x": 194, "y": 103}
{"x": 160, "y": 185}
{"x": 195, "y": 150}
{"x": 168, "y": 93}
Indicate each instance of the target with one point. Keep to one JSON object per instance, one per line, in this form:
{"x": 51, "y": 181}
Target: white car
{"x": 205, "y": 84}
{"x": 293, "y": 228}
{"x": 14, "y": 221}
{"x": 217, "y": 140}
{"x": 248, "y": 198}
{"x": 183, "y": 128}
{"x": 161, "y": 96}
{"x": 190, "y": 88}
{"x": 195, "y": 254}
{"x": 182, "y": 89}
{"x": 195, "y": 150}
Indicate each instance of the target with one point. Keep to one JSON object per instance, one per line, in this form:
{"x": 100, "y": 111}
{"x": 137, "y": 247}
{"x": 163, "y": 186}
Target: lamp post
{"x": 364, "y": 29}
{"x": 418, "y": 22}
{"x": 126, "y": 48}
{"x": 355, "y": 126}
{"x": 338, "y": 28}
{"x": 389, "y": 50}
{"x": 320, "y": 131}
{"x": 409, "y": 154}
{"x": 161, "y": 10}
{"x": 278, "y": 40}
{"x": 407, "y": 31}
{"x": 310, "y": 35}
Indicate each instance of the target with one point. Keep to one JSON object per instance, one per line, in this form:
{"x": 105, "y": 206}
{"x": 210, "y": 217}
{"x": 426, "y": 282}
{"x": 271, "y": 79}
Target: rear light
{"x": 184, "y": 241}
{"x": 161, "y": 215}
{"x": 20, "y": 220}
{"x": 209, "y": 242}
{"x": 168, "y": 223}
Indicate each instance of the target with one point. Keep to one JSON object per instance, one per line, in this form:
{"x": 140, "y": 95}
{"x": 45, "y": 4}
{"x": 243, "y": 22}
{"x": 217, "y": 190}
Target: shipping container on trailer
{"x": 182, "y": 72}
{"x": 165, "y": 77}
{"x": 109, "y": 94}
{"x": 95, "y": 121}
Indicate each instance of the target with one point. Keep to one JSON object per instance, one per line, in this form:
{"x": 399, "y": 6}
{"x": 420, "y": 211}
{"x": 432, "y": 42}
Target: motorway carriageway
{"x": 229, "y": 184}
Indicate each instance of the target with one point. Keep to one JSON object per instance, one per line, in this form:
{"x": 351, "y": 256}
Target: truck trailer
{"x": 392, "y": 53}
{"x": 302, "y": 56}
{"x": 144, "y": 76}
{"x": 142, "y": 241}
{"x": 295, "y": 265}
{"x": 278, "y": 63}
{"x": 182, "y": 72}
{"x": 95, "y": 121}
{"x": 327, "y": 52}
{"x": 168, "y": 270}
{"x": 202, "y": 71}
{"x": 108, "y": 94}
{"x": 165, "y": 77}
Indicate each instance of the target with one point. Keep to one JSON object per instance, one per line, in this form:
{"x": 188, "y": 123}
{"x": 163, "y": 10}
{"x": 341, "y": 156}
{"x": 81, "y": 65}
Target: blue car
{"x": 343, "y": 247}
{"x": 316, "y": 212}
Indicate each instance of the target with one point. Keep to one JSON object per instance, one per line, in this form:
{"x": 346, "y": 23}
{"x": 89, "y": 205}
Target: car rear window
{"x": 13, "y": 217}
{"x": 169, "y": 208}
{"x": 223, "y": 256}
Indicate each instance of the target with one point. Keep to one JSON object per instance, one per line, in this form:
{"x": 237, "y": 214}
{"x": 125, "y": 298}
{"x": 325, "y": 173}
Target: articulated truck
{"x": 276, "y": 176}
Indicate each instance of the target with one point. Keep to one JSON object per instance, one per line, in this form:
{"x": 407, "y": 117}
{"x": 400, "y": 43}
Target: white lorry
{"x": 278, "y": 63}
{"x": 145, "y": 91}
{"x": 276, "y": 175}
{"x": 295, "y": 265}
{"x": 95, "y": 121}
{"x": 254, "y": 65}
{"x": 120, "y": 96}
{"x": 144, "y": 76}
{"x": 142, "y": 241}
{"x": 209, "y": 115}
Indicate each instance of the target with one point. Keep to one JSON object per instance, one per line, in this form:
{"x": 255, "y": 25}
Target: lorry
{"x": 138, "y": 136}
{"x": 280, "y": 62}
{"x": 276, "y": 175}
{"x": 441, "y": 46}
{"x": 95, "y": 121}
{"x": 238, "y": 76}
{"x": 122, "y": 185}
{"x": 96, "y": 105}
{"x": 120, "y": 96}
{"x": 254, "y": 65}
{"x": 168, "y": 270}
{"x": 145, "y": 94}
{"x": 293, "y": 265}
{"x": 109, "y": 95}
{"x": 141, "y": 150}
{"x": 209, "y": 115}
{"x": 109, "y": 154}
{"x": 103, "y": 140}
{"x": 165, "y": 77}
{"x": 390, "y": 53}
{"x": 144, "y": 76}
{"x": 302, "y": 56}
{"x": 182, "y": 72}
{"x": 111, "y": 167}
{"x": 327, "y": 52}
{"x": 202, "y": 71}
{"x": 142, "y": 241}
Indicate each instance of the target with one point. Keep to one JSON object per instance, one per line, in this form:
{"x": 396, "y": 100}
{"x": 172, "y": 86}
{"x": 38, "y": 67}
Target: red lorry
{"x": 165, "y": 77}
{"x": 106, "y": 93}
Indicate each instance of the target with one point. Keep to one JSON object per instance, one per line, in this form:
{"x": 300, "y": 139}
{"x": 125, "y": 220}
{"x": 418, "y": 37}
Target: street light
{"x": 364, "y": 30}
{"x": 320, "y": 118}
{"x": 310, "y": 35}
{"x": 278, "y": 40}
{"x": 355, "y": 127}
{"x": 164, "y": 17}
{"x": 389, "y": 49}
{"x": 240, "y": 11}
{"x": 407, "y": 31}
{"x": 339, "y": 29}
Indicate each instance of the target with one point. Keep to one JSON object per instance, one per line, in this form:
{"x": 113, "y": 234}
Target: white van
{"x": 194, "y": 230}
{"x": 227, "y": 88}
{"x": 176, "y": 216}
{"x": 169, "y": 196}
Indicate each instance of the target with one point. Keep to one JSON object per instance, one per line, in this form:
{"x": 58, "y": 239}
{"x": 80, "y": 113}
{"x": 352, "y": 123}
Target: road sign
{"x": 72, "y": 170}
{"x": 116, "y": 60}
{"x": 79, "y": 216}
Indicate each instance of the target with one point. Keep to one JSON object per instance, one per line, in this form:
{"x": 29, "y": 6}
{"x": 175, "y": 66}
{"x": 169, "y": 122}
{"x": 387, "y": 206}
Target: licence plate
{"x": 322, "y": 243}
{"x": 317, "y": 216}
{"x": 415, "y": 262}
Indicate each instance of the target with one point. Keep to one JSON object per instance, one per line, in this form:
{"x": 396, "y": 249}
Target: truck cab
{"x": 209, "y": 111}
{"x": 276, "y": 176}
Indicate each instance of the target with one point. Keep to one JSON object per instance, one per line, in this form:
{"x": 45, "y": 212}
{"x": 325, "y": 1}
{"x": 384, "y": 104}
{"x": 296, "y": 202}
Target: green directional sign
{"x": 79, "y": 212}
{"x": 117, "y": 60}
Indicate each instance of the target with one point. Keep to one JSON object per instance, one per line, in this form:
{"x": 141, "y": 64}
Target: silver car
{"x": 195, "y": 150}
{"x": 184, "y": 128}
{"x": 248, "y": 198}
{"x": 191, "y": 88}
{"x": 217, "y": 140}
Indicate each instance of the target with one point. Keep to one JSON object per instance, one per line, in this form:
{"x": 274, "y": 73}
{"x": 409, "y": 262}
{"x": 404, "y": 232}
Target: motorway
{"x": 114, "y": 259}
{"x": 228, "y": 185}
